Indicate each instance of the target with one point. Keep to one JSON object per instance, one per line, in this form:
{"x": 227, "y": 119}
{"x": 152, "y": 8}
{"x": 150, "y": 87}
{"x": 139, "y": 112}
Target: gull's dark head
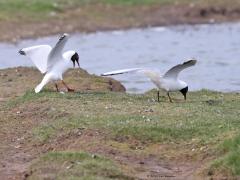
{"x": 75, "y": 59}
{"x": 184, "y": 92}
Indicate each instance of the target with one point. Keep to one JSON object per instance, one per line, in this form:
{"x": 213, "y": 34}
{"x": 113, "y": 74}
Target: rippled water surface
{"x": 217, "y": 48}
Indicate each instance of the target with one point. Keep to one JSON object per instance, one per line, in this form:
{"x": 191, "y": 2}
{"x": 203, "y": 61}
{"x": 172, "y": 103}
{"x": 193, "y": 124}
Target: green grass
{"x": 206, "y": 119}
{"x": 34, "y": 8}
{"x": 75, "y": 165}
{"x": 135, "y": 2}
{"x": 229, "y": 161}
{"x": 207, "y": 116}
{"x": 39, "y": 10}
{"x": 27, "y": 8}
{"x": 43, "y": 9}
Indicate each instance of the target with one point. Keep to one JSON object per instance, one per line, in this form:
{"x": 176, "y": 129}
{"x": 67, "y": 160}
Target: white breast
{"x": 171, "y": 84}
{"x": 60, "y": 68}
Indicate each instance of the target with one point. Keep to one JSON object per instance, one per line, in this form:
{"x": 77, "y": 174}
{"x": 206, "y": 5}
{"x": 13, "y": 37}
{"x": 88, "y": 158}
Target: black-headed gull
{"x": 52, "y": 61}
{"x": 168, "y": 82}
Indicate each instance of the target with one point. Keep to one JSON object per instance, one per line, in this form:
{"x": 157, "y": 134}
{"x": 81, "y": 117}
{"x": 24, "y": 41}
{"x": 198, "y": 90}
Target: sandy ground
{"x": 117, "y": 17}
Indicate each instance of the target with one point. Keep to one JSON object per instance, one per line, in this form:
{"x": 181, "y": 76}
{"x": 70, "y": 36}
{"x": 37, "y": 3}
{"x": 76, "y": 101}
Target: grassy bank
{"x": 31, "y": 19}
{"x": 41, "y": 9}
{"x": 133, "y": 132}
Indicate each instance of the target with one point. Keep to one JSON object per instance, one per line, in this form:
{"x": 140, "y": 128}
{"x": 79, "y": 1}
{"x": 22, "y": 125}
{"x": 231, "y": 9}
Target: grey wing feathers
{"x": 122, "y": 71}
{"x": 56, "y": 53}
{"x": 174, "y": 71}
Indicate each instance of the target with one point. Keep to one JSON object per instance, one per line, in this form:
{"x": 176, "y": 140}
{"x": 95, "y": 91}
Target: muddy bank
{"x": 106, "y": 17}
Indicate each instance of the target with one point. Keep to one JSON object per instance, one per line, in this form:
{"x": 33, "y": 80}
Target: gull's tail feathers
{"x": 45, "y": 80}
{"x": 38, "y": 88}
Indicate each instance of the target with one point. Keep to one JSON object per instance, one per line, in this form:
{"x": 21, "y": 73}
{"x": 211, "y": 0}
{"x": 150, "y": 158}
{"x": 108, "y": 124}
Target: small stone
{"x": 17, "y": 147}
{"x": 79, "y": 134}
{"x": 69, "y": 167}
{"x": 94, "y": 156}
{"x": 148, "y": 120}
{"x": 212, "y": 21}
{"x": 52, "y": 13}
{"x": 192, "y": 5}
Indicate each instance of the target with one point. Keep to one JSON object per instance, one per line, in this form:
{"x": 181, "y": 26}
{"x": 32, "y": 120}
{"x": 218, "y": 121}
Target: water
{"x": 216, "y": 47}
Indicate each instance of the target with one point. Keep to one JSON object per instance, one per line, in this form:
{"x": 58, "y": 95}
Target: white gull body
{"x": 51, "y": 61}
{"x": 168, "y": 82}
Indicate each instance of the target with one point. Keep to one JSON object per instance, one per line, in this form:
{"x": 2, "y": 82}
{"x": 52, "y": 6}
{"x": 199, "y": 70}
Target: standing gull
{"x": 51, "y": 61}
{"x": 169, "y": 82}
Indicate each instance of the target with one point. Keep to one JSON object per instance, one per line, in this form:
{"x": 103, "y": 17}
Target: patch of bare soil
{"x": 107, "y": 17}
{"x": 134, "y": 163}
{"x": 15, "y": 153}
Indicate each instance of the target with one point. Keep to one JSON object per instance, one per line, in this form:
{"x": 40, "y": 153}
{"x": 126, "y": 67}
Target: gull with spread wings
{"x": 168, "y": 82}
{"x": 51, "y": 61}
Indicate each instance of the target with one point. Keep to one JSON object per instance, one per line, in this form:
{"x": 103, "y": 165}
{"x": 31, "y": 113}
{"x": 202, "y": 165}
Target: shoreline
{"x": 110, "y": 19}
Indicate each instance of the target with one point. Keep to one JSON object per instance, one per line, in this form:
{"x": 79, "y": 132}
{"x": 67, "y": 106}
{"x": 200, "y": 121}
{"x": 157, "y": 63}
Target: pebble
{"x": 94, "y": 156}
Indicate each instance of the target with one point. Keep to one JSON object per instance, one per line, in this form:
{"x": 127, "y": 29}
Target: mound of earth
{"x": 16, "y": 81}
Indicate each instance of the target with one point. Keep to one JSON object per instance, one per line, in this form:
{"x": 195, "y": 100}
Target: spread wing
{"x": 151, "y": 74}
{"x": 121, "y": 71}
{"x": 38, "y": 55}
{"x": 174, "y": 71}
{"x": 56, "y": 52}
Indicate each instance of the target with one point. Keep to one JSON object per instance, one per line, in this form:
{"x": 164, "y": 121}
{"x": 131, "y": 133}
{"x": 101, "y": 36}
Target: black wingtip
{"x": 111, "y": 74}
{"x": 63, "y": 36}
{"x": 192, "y": 62}
{"x": 108, "y": 74}
{"x": 22, "y": 52}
